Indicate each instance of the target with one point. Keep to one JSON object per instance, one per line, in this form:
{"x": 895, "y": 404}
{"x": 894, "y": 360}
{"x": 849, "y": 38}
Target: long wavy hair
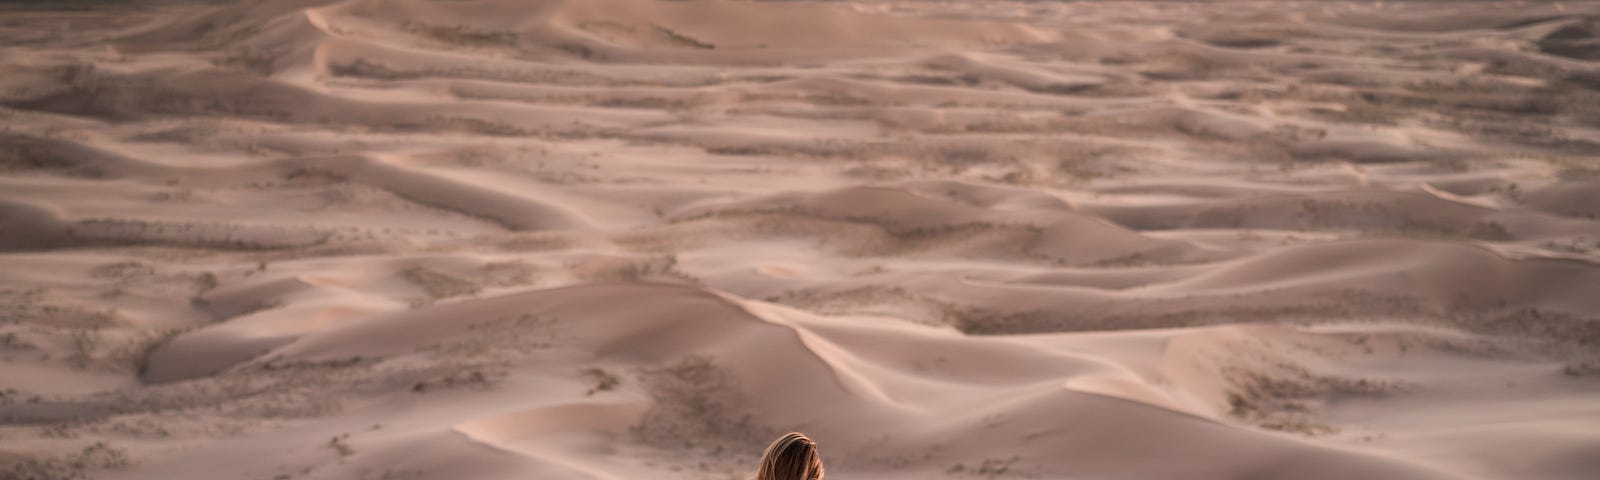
{"x": 792, "y": 457}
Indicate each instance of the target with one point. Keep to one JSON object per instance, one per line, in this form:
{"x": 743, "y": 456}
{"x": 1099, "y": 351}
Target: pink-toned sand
{"x": 637, "y": 239}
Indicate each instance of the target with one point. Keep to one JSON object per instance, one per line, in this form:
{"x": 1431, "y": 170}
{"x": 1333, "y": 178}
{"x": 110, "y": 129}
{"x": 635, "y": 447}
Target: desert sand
{"x": 638, "y": 239}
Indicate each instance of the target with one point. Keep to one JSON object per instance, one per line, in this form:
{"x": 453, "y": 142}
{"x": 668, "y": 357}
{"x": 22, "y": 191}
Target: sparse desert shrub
{"x": 603, "y": 380}
{"x": 697, "y": 405}
{"x": 73, "y": 466}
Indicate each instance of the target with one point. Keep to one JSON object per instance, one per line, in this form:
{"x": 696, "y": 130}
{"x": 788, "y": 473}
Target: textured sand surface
{"x": 630, "y": 239}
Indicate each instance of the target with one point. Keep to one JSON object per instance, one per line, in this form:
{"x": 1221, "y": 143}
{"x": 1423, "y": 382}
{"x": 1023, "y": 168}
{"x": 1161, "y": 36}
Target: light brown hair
{"x": 792, "y": 457}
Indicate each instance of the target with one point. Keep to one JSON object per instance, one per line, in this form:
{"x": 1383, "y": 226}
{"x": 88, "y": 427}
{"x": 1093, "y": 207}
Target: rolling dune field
{"x": 639, "y": 239}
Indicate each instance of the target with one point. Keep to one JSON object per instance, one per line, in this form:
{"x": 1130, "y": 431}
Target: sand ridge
{"x": 616, "y": 239}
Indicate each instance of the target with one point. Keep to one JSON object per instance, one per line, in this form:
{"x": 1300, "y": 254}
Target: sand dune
{"x": 618, "y": 239}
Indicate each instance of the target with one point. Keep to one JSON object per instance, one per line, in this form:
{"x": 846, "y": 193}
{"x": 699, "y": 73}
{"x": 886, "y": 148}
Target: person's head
{"x": 792, "y": 457}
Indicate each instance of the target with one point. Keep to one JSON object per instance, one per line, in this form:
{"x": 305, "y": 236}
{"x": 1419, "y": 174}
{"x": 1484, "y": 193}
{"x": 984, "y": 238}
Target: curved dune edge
{"x": 494, "y": 431}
